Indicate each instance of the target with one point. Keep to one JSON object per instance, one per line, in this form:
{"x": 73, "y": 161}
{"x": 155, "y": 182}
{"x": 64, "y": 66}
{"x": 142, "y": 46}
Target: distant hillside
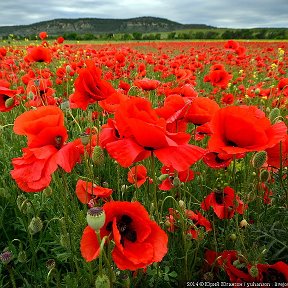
{"x": 99, "y": 26}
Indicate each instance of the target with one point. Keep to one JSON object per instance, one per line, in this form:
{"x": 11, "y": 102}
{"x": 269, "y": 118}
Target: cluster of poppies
{"x": 155, "y": 122}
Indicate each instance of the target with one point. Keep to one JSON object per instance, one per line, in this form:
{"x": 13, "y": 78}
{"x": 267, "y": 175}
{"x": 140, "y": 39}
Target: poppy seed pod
{"x": 6, "y": 257}
{"x": 96, "y": 218}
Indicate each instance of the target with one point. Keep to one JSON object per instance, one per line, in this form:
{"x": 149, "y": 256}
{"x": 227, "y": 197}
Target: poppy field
{"x": 143, "y": 164}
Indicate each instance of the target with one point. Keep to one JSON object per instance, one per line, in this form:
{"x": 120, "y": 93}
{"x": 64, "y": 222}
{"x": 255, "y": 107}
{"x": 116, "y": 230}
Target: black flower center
{"x": 58, "y": 142}
{"x": 149, "y": 148}
{"x": 125, "y": 229}
{"x": 231, "y": 143}
{"x": 219, "y": 197}
{"x": 273, "y": 275}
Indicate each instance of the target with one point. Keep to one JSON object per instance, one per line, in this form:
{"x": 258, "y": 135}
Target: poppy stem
{"x": 154, "y": 187}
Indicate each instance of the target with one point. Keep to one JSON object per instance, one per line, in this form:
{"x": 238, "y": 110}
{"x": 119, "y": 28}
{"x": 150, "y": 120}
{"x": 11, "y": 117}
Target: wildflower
{"x": 139, "y": 241}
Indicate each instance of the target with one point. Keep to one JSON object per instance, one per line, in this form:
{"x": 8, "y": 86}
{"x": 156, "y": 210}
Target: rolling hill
{"x": 99, "y": 26}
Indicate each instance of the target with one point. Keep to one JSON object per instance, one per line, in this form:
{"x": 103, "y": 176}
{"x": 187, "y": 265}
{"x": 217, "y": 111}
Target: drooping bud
{"x": 35, "y": 225}
{"x": 22, "y": 257}
{"x": 264, "y": 176}
{"x": 96, "y": 218}
{"x": 259, "y": 159}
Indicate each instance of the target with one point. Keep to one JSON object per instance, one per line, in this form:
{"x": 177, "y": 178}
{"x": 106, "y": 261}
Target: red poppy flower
{"x": 41, "y": 122}
{"x": 60, "y": 40}
{"x": 184, "y": 176}
{"x": 137, "y": 175}
{"x": 46, "y": 149}
{"x": 198, "y": 221}
{"x": 217, "y": 160}
{"x": 240, "y": 129}
{"x": 86, "y": 191}
{"x": 7, "y": 99}
{"x": 218, "y": 78}
{"x": 43, "y": 35}
{"x": 283, "y": 86}
{"x": 224, "y": 203}
{"x": 39, "y": 54}
{"x": 271, "y": 273}
{"x": 227, "y": 260}
{"x": 112, "y": 102}
{"x": 139, "y": 241}
{"x": 231, "y": 45}
{"x": 32, "y": 172}
{"x": 141, "y": 132}
{"x": 276, "y": 154}
{"x": 173, "y": 112}
{"x": 147, "y": 84}
{"x": 90, "y": 87}
{"x": 201, "y": 110}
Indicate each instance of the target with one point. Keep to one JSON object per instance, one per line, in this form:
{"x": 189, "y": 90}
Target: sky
{"x": 218, "y": 13}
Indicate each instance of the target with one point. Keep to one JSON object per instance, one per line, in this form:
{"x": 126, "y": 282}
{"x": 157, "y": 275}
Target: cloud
{"x": 219, "y": 13}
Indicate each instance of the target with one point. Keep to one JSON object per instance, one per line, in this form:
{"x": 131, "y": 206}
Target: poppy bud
{"x": 176, "y": 182}
{"x": 96, "y": 218}
{"x": 102, "y": 281}
{"x": 64, "y": 240}
{"x": 65, "y": 105}
{"x": 259, "y": 159}
{"x": 22, "y": 257}
{"x": 182, "y": 204}
{"x": 105, "y": 184}
{"x": 264, "y": 176}
{"x": 30, "y": 95}
{"x": 48, "y": 191}
{"x": 4, "y": 193}
{"x": 253, "y": 271}
{"x": 274, "y": 115}
{"x": 233, "y": 237}
{"x": 98, "y": 155}
{"x": 84, "y": 138}
{"x": 35, "y": 225}
{"x": 68, "y": 69}
{"x": 125, "y": 280}
{"x": 9, "y": 102}
{"x": 163, "y": 177}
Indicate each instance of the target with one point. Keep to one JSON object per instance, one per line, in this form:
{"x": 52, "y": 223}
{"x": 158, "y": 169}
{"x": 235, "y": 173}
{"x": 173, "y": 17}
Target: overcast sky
{"x": 219, "y": 13}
